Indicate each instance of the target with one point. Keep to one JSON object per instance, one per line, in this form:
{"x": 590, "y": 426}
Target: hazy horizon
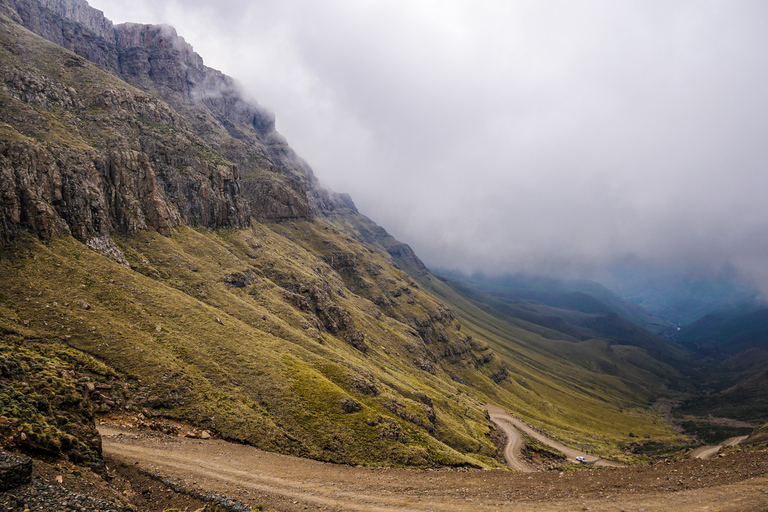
{"x": 549, "y": 137}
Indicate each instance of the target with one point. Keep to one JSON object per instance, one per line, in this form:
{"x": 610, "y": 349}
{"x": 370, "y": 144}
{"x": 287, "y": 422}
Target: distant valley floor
{"x": 737, "y": 482}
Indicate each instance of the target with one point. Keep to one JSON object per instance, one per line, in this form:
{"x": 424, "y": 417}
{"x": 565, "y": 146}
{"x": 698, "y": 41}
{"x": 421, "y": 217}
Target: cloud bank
{"x": 547, "y": 136}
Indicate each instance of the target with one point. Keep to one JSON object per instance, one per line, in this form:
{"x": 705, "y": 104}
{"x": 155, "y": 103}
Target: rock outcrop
{"x": 156, "y": 60}
{"x": 15, "y": 471}
{"x": 85, "y": 154}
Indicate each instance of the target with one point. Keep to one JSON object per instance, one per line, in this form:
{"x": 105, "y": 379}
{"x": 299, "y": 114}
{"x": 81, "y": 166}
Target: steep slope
{"x": 306, "y": 298}
{"x": 227, "y": 288}
{"x": 279, "y": 185}
{"x": 247, "y": 334}
{"x": 85, "y": 154}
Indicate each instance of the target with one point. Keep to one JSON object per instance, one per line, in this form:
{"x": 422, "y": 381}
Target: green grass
{"x": 42, "y": 404}
{"x": 758, "y": 439}
{"x": 265, "y": 372}
{"x": 534, "y": 445}
{"x": 258, "y": 366}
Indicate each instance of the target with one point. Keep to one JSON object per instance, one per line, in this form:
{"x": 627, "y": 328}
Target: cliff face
{"x": 277, "y": 184}
{"x": 140, "y": 164}
{"x": 156, "y": 60}
{"x": 84, "y": 154}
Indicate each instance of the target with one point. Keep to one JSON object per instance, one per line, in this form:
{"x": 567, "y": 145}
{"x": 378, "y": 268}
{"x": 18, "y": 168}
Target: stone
{"x": 349, "y": 406}
{"x": 15, "y": 471}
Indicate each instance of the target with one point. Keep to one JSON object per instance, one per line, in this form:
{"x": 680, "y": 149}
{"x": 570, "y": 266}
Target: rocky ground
{"x": 63, "y": 487}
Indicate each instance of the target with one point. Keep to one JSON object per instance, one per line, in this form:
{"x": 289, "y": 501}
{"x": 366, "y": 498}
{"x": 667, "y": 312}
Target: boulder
{"x": 15, "y": 471}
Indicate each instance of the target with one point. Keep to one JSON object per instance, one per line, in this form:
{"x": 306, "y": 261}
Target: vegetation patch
{"x": 711, "y": 433}
{"x": 533, "y": 445}
{"x": 758, "y": 438}
{"x": 43, "y": 407}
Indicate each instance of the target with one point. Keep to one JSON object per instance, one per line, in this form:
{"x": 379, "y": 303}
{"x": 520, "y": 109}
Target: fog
{"x": 547, "y": 136}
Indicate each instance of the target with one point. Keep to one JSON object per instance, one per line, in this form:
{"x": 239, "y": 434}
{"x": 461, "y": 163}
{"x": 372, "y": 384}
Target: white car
{"x": 581, "y": 460}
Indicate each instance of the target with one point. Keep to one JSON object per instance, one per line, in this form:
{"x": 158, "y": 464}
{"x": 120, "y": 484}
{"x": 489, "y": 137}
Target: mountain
{"x": 683, "y": 298}
{"x": 728, "y": 332}
{"x": 735, "y": 343}
{"x": 736, "y": 387}
{"x": 166, "y": 253}
{"x": 541, "y": 293}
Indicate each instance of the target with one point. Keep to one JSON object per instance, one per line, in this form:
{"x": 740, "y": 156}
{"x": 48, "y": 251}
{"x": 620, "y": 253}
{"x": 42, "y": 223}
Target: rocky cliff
{"x": 87, "y": 155}
{"x": 278, "y": 185}
{"x": 156, "y": 60}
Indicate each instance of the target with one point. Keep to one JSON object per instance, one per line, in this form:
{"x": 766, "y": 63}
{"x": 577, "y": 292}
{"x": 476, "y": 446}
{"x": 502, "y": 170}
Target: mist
{"x": 546, "y": 136}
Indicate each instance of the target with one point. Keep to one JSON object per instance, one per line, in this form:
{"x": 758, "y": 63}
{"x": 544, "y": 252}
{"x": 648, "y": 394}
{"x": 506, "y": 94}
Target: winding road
{"x": 511, "y": 424}
{"x": 707, "y": 452}
{"x": 513, "y": 450}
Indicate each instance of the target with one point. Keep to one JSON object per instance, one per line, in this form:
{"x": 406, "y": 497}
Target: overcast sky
{"x": 516, "y": 135}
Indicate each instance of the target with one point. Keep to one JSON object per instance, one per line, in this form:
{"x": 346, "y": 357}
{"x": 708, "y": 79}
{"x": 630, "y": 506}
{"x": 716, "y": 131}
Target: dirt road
{"x": 501, "y": 417}
{"x": 512, "y": 452}
{"x": 707, "y": 452}
{"x": 738, "y": 482}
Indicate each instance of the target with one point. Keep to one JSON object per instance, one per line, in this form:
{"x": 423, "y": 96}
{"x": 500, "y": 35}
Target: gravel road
{"x": 737, "y": 482}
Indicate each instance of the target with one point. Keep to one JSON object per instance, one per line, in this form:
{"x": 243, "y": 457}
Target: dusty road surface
{"x": 707, "y": 452}
{"x": 737, "y": 482}
{"x": 512, "y": 452}
{"x": 501, "y": 417}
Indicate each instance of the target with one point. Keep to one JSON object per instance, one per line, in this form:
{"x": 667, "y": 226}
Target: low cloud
{"x": 544, "y": 136}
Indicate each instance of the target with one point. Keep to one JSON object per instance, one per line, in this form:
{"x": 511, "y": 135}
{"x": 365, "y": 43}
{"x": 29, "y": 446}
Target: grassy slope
{"x": 265, "y": 372}
{"x": 759, "y": 437}
{"x": 591, "y": 394}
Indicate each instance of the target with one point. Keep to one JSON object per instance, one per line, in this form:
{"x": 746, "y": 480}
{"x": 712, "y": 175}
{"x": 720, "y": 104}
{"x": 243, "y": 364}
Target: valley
{"x": 187, "y": 311}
